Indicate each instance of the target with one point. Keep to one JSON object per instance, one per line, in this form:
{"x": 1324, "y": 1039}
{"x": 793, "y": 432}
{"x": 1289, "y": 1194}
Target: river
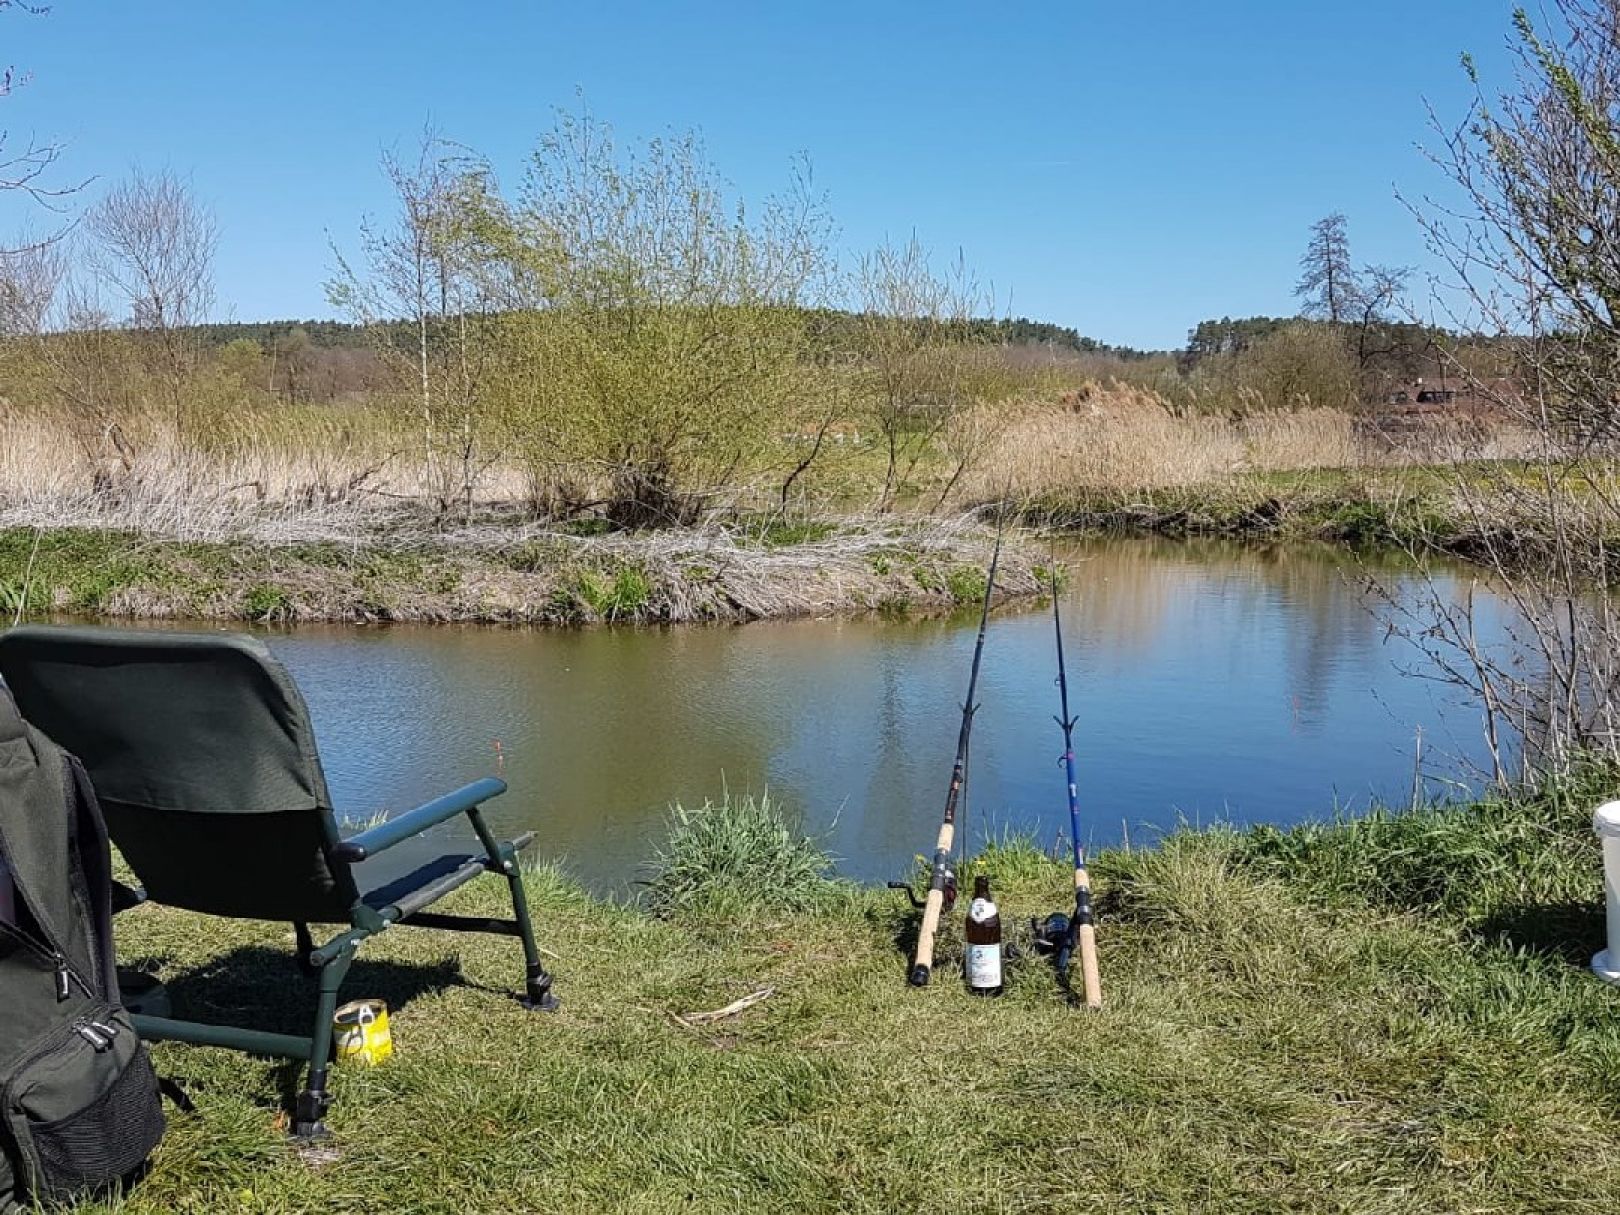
{"x": 1212, "y": 681}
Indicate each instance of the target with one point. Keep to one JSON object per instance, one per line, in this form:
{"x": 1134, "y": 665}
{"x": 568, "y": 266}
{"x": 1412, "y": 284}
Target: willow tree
{"x": 658, "y": 325}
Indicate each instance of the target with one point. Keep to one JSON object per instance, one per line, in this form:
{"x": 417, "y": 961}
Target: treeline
{"x": 1350, "y": 346}
{"x": 271, "y": 335}
{"x": 1389, "y": 351}
{"x": 838, "y": 326}
{"x": 323, "y": 361}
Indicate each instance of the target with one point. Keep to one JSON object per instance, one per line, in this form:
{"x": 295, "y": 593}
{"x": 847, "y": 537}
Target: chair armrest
{"x": 414, "y": 822}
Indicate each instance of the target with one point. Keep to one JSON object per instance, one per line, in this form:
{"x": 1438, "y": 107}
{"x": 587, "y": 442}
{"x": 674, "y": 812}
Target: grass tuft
{"x": 737, "y": 857}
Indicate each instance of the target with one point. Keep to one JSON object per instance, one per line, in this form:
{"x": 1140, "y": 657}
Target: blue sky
{"x": 1126, "y": 168}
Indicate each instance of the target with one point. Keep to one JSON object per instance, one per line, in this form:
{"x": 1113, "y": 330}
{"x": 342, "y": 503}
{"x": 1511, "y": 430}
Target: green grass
{"x": 1363, "y": 509}
{"x": 735, "y": 858}
{"x": 780, "y": 531}
{"x": 75, "y": 569}
{"x": 265, "y": 603}
{"x": 1383, "y": 1016}
{"x": 965, "y": 584}
{"x": 620, "y": 596}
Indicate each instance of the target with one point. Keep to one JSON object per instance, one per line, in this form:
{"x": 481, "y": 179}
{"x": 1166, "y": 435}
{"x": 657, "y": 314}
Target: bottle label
{"x": 981, "y": 910}
{"x": 984, "y": 966}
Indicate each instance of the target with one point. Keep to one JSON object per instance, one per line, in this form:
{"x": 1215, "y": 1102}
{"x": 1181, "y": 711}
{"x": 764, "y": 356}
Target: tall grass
{"x": 1484, "y": 865}
{"x": 735, "y": 857}
{"x": 1119, "y": 437}
{"x": 357, "y": 462}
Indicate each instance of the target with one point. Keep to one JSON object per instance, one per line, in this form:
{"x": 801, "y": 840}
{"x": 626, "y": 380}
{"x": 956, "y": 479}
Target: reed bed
{"x": 338, "y": 471}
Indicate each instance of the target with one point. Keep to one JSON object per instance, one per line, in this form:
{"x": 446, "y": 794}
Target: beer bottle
{"x": 983, "y": 942}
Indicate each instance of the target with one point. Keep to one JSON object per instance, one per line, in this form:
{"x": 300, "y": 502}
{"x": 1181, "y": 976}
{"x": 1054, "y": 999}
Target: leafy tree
{"x": 923, "y": 359}
{"x": 1300, "y": 366}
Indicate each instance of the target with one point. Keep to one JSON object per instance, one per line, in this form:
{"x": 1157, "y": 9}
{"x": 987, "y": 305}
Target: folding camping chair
{"x": 200, "y": 750}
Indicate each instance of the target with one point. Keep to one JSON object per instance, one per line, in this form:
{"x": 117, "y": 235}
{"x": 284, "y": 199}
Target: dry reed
{"x": 1117, "y": 436}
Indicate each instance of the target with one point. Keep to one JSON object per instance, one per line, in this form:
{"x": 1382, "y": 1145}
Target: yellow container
{"x": 360, "y": 1030}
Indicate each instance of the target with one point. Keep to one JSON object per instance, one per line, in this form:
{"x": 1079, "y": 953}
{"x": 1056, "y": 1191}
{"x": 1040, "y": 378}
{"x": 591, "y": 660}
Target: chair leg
{"x": 537, "y": 981}
{"x": 537, "y": 993}
{"x": 313, "y": 1102}
{"x": 304, "y": 947}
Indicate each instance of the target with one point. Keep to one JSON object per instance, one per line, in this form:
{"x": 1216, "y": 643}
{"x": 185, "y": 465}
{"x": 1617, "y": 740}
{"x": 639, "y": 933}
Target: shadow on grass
{"x": 903, "y": 923}
{"x": 1568, "y": 931}
{"x": 262, "y": 988}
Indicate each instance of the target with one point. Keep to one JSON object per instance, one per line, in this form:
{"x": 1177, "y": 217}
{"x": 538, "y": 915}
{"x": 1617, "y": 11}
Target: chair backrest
{"x": 200, "y": 749}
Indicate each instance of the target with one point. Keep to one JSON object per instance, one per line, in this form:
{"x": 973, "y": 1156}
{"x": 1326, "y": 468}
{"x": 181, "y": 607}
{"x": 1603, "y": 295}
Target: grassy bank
{"x": 1414, "y": 508}
{"x": 526, "y": 575}
{"x": 1388, "y": 1015}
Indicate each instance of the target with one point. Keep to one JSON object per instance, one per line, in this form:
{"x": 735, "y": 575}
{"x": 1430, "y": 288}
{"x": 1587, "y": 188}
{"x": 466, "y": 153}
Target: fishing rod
{"x": 942, "y": 881}
{"x": 1060, "y": 934}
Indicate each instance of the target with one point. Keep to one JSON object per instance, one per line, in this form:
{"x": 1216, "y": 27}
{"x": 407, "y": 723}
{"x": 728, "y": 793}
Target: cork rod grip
{"x": 1086, "y": 932}
{"x": 923, "y": 963}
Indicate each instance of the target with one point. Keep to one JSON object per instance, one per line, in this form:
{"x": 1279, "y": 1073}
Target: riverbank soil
{"x": 512, "y": 574}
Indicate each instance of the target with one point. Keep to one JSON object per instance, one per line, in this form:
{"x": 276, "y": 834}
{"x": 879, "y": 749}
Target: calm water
{"x": 1211, "y": 681}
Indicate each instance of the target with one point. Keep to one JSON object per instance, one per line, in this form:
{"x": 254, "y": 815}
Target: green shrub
{"x": 965, "y": 584}
{"x": 264, "y": 602}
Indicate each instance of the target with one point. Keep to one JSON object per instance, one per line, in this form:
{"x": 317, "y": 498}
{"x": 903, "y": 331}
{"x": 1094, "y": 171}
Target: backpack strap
{"x": 11, "y": 722}
{"x": 170, "y": 1088}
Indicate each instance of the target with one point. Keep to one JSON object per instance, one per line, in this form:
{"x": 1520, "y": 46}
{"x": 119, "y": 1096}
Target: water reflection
{"x": 1211, "y": 681}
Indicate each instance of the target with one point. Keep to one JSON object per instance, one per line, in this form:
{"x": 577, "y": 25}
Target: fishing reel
{"x": 1055, "y": 938}
{"x": 1051, "y": 936}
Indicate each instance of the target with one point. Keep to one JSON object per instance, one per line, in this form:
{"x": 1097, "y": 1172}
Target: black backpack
{"x": 80, "y": 1109}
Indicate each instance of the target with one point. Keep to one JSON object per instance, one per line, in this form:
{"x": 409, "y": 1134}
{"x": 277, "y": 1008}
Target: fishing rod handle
{"x": 923, "y": 964}
{"x": 1090, "y": 974}
{"x": 1085, "y": 931}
